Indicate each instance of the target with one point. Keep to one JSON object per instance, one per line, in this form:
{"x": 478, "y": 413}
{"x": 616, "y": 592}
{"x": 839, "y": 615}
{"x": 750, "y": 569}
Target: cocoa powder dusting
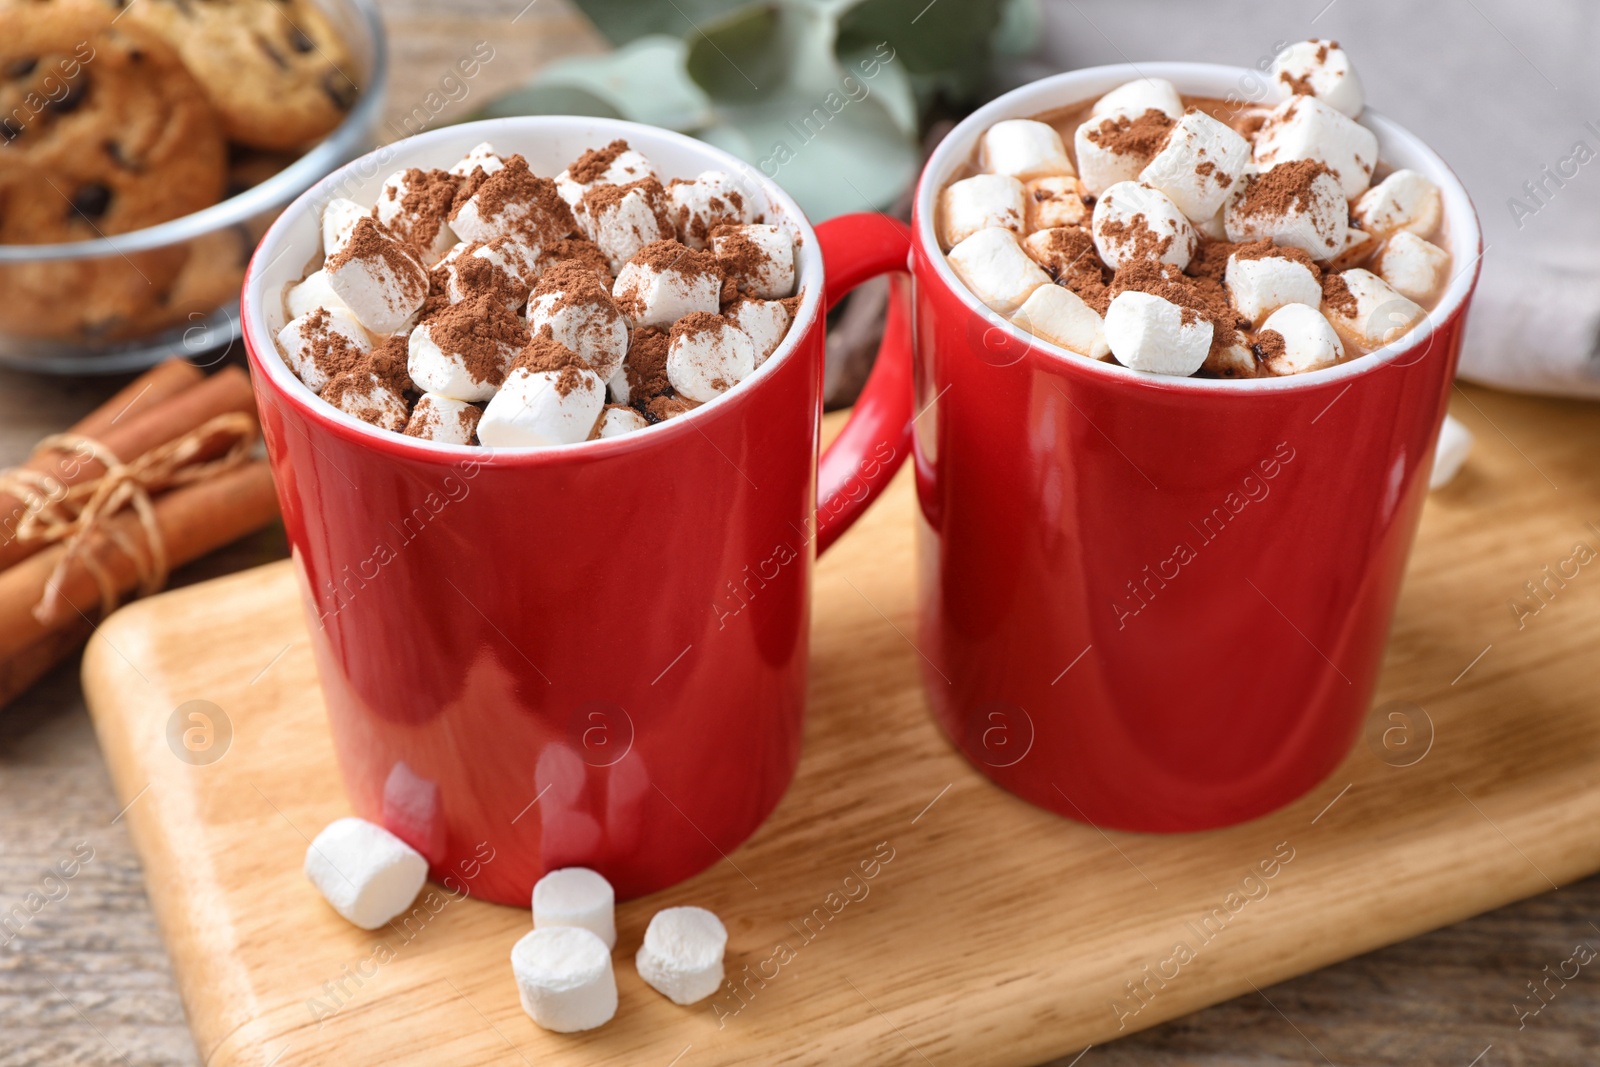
{"x": 1069, "y": 255}
{"x": 430, "y": 194}
{"x": 1279, "y": 191}
{"x": 1204, "y": 297}
{"x": 646, "y": 366}
{"x": 1337, "y": 297}
{"x": 388, "y": 363}
{"x": 373, "y": 242}
{"x": 1142, "y": 136}
{"x": 480, "y": 330}
{"x": 543, "y": 217}
{"x": 1268, "y": 346}
{"x": 331, "y": 352}
{"x": 1264, "y": 249}
{"x": 1147, "y": 244}
{"x": 580, "y": 251}
{"x": 591, "y": 166}
{"x": 1300, "y": 86}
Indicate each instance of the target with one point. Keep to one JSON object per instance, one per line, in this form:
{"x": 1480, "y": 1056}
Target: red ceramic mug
{"x": 1154, "y": 603}
{"x": 589, "y": 655}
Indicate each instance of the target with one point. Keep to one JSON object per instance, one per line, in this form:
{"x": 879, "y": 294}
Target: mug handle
{"x": 853, "y": 470}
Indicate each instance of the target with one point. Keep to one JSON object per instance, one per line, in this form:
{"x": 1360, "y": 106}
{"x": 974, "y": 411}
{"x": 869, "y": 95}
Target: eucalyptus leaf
{"x": 645, "y": 81}
{"x": 934, "y": 38}
{"x": 752, "y": 33}
{"x": 1021, "y": 26}
{"x": 628, "y": 20}
{"x": 549, "y": 100}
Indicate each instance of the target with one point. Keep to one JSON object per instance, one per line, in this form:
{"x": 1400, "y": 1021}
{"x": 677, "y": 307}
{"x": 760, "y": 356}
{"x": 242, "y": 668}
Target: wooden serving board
{"x": 989, "y": 932}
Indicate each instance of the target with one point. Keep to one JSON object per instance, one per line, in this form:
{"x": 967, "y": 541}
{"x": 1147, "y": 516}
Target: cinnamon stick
{"x": 164, "y": 380}
{"x": 131, "y": 437}
{"x": 34, "y": 662}
{"x": 192, "y": 521}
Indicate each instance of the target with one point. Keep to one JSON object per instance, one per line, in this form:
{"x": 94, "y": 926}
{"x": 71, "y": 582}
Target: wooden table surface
{"x": 87, "y": 981}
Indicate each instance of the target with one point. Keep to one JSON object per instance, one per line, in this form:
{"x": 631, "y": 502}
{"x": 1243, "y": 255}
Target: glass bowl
{"x": 196, "y": 262}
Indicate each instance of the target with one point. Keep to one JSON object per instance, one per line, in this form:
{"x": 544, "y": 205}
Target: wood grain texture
{"x": 997, "y": 934}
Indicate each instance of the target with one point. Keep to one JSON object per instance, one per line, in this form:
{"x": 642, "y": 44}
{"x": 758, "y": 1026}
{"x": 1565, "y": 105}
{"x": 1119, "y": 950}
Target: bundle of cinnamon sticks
{"x": 58, "y": 577}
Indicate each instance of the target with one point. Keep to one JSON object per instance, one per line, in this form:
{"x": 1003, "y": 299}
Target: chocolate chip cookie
{"x": 275, "y": 70}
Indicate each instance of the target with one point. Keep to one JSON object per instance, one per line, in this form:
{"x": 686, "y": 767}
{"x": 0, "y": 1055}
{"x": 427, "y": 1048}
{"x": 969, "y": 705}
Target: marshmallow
{"x": 443, "y": 421}
{"x": 1132, "y": 220}
{"x": 1108, "y": 152}
{"x": 619, "y": 419}
{"x": 1231, "y": 361}
{"x": 1413, "y": 267}
{"x": 1303, "y": 127}
{"x": 1063, "y": 250}
{"x": 482, "y": 155}
{"x": 338, "y": 219}
{"x": 541, "y": 408}
{"x": 1368, "y": 311}
{"x": 663, "y": 408}
{"x": 617, "y": 387}
{"x": 1405, "y": 200}
{"x": 564, "y": 979}
{"x": 420, "y": 222}
{"x": 993, "y": 265}
{"x": 1358, "y": 245}
{"x": 681, "y": 957}
{"x": 335, "y": 332}
{"x": 1148, "y": 333}
{"x": 362, "y": 394}
{"x": 464, "y": 353}
{"x": 707, "y": 356}
{"x": 760, "y": 259}
{"x": 1138, "y": 96}
{"x": 379, "y": 277}
{"x": 621, "y": 219}
{"x": 503, "y": 268}
{"x": 312, "y": 293}
{"x": 1320, "y": 69}
{"x": 1198, "y": 165}
{"x": 514, "y": 203}
{"x": 366, "y": 873}
{"x": 1297, "y": 205}
{"x": 712, "y": 199}
{"x": 1058, "y": 315}
{"x": 1308, "y": 341}
{"x": 571, "y": 305}
{"x": 619, "y": 165}
{"x": 763, "y": 321}
{"x": 1455, "y": 441}
{"x": 1059, "y": 200}
{"x": 978, "y": 202}
{"x": 1214, "y": 228}
{"x": 1024, "y": 149}
{"x": 666, "y": 281}
{"x": 1259, "y": 286}
{"x": 576, "y": 896}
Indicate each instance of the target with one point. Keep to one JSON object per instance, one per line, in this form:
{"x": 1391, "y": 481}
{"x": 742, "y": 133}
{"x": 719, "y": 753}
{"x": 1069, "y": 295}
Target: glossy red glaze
{"x": 1152, "y": 604}
{"x": 588, "y": 656}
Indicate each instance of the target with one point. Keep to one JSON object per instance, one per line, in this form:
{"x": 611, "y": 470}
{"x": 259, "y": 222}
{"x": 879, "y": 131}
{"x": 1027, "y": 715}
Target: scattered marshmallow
{"x": 993, "y": 265}
{"x": 564, "y": 978}
{"x": 1304, "y": 127}
{"x": 506, "y": 271}
{"x": 1312, "y": 219}
{"x": 712, "y": 199}
{"x": 621, "y": 219}
{"x": 1259, "y": 286}
{"x": 681, "y": 957}
{"x": 367, "y": 873}
{"x": 1131, "y": 220}
{"x": 360, "y": 393}
{"x": 541, "y": 408}
{"x": 576, "y": 896}
{"x": 339, "y": 217}
{"x": 332, "y": 330}
{"x": 571, "y": 305}
{"x": 666, "y": 281}
{"x": 621, "y": 166}
{"x": 1413, "y": 267}
{"x": 760, "y": 259}
{"x": 618, "y": 419}
{"x": 1104, "y": 156}
{"x": 1320, "y": 69}
{"x": 978, "y": 202}
{"x": 1455, "y": 442}
{"x": 1059, "y": 200}
{"x": 1148, "y": 333}
{"x": 443, "y": 421}
{"x": 315, "y": 291}
{"x": 379, "y": 278}
{"x": 1405, "y": 200}
{"x": 1231, "y": 361}
{"x": 1374, "y": 315}
{"x": 1138, "y": 96}
{"x": 482, "y": 155}
{"x": 1309, "y": 341}
{"x": 1058, "y": 315}
{"x": 423, "y": 225}
{"x": 707, "y": 355}
{"x": 512, "y": 202}
{"x": 458, "y": 354}
{"x": 1198, "y": 165}
{"x": 765, "y": 322}
{"x": 1024, "y": 149}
